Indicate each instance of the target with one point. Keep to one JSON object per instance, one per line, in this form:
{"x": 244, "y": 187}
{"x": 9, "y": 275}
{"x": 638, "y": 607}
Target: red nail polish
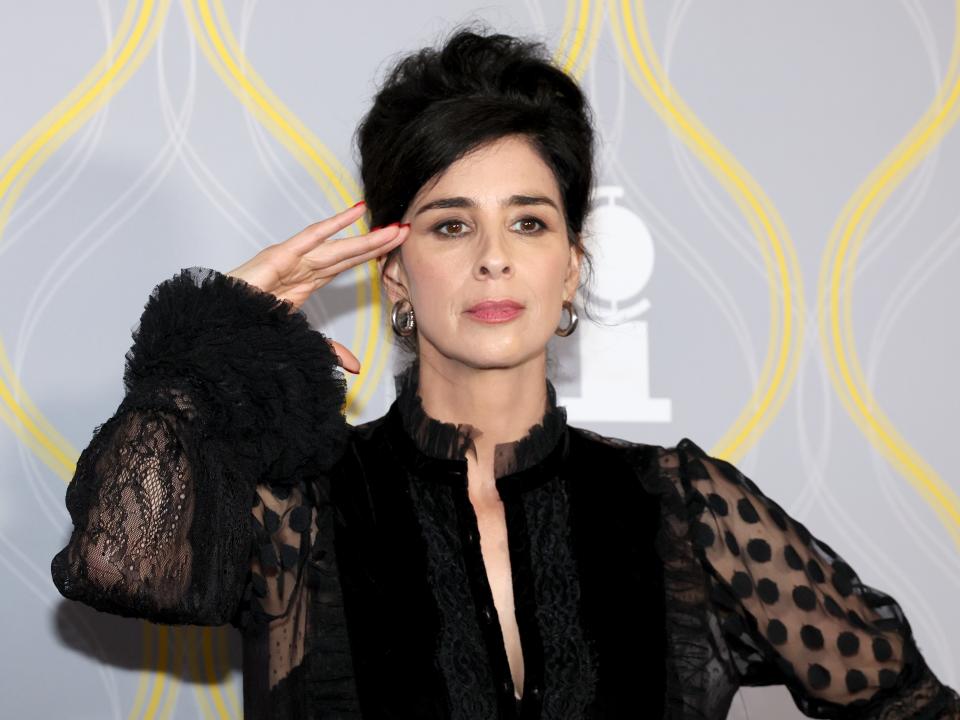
{"x": 394, "y": 223}
{"x": 375, "y": 227}
{"x": 362, "y": 202}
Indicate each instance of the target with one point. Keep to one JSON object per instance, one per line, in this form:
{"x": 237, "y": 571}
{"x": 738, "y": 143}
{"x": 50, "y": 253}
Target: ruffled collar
{"x": 452, "y": 441}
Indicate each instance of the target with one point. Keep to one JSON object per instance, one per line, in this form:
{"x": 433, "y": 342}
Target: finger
{"x": 353, "y": 260}
{"x": 344, "y": 247}
{"x": 346, "y": 359}
{"x": 358, "y": 248}
{"x": 314, "y": 234}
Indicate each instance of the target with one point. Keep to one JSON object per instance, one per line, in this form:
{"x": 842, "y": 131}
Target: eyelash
{"x": 436, "y": 228}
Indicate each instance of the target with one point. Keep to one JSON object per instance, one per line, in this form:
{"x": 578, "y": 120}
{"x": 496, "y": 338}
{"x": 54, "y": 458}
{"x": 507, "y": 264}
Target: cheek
{"x": 549, "y": 281}
{"x": 434, "y": 283}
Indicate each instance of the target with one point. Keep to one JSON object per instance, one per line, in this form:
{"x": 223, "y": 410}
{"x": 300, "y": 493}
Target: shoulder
{"x": 642, "y": 456}
{"x": 366, "y": 431}
{"x": 363, "y": 440}
{"x": 682, "y": 474}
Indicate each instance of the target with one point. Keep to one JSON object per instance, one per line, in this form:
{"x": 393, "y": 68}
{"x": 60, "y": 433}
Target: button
{"x": 487, "y": 614}
{"x": 507, "y": 685}
{"x": 471, "y": 537}
{"x": 534, "y": 690}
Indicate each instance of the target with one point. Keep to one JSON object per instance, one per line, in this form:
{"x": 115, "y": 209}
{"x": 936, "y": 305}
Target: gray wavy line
{"x": 54, "y": 279}
{"x": 45, "y": 591}
{"x": 277, "y": 171}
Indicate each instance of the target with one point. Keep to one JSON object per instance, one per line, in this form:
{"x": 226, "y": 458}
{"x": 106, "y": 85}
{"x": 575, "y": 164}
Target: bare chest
{"x": 491, "y": 524}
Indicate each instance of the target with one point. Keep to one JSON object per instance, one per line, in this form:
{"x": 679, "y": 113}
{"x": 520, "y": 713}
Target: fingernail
{"x": 362, "y": 202}
{"x": 403, "y": 225}
{"x": 375, "y": 227}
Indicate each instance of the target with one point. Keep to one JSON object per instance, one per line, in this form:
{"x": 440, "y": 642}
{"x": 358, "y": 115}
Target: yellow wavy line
{"x": 210, "y": 671}
{"x": 250, "y": 89}
{"x": 62, "y": 107}
{"x": 178, "y": 634}
{"x": 159, "y": 672}
{"x": 54, "y": 129}
{"x": 583, "y": 21}
{"x": 247, "y": 86}
{"x": 835, "y": 304}
{"x": 193, "y": 652}
{"x": 35, "y": 148}
{"x": 596, "y": 21}
{"x": 21, "y": 163}
{"x": 360, "y": 387}
{"x": 776, "y": 246}
{"x": 223, "y": 654}
{"x": 19, "y": 396}
{"x": 26, "y": 439}
{"x": 565, "y": 57}
{"x": 569, "y": 14}
{"x": 146, "y": 660}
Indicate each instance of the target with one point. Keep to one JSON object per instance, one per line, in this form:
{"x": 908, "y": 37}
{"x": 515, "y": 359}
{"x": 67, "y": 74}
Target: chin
{"x": 489, "y": 357}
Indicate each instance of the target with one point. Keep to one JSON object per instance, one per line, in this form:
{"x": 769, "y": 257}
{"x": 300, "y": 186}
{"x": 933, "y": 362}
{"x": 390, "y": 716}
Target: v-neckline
{"x": 436, "y": 452}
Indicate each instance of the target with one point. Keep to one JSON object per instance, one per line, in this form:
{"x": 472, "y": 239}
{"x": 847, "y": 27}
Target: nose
{"x": 492, "y": 258}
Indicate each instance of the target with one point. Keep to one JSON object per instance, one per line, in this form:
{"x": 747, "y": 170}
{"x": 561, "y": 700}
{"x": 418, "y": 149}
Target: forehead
{"x": 494, "y": 171}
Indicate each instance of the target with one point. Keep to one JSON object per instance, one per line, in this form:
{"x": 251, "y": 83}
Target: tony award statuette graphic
{"x": 617, "y": 365}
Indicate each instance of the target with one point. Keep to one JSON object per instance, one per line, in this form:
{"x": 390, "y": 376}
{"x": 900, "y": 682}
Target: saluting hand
{"x": 295, "y": 268}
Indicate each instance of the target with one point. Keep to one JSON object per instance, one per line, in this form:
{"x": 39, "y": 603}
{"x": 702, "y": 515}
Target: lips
{"x": 493, "y": 311}
{"x": 498, "y": 305}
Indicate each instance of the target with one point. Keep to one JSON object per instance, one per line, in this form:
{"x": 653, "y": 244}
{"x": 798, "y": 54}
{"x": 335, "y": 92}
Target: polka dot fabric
{"x": 275, "y": 599}
{"x": 284, "y": 526}
{"x": 790, "y": 610}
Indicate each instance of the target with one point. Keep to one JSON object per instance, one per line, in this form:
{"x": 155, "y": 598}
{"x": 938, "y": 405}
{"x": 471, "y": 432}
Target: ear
{"x": 393, "y": 276}
{"x": 572, "y": 278}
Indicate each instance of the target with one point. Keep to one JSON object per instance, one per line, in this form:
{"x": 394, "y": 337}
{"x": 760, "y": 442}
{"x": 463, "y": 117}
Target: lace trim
{"x": 449, "y": 440}
{"x": 461, "y": 653}
{"x": 570, "y": 658}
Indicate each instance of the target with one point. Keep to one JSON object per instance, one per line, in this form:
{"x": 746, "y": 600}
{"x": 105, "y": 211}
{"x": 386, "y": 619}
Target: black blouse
{"x": 648, "y": 581}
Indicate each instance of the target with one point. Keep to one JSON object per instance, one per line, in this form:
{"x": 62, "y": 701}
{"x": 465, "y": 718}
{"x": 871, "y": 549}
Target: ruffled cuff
{"x": 250, "y": 371}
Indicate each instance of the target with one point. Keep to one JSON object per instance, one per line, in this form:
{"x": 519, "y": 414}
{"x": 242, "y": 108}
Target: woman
{"x": 468, "y": 554}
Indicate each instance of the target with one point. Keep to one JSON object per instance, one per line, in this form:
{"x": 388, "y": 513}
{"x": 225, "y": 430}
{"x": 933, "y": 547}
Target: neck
{"x": 500, "y": 403}
{"x": 426, "y": 436}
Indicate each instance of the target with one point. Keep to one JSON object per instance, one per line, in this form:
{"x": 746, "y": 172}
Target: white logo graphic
{"x": 614, "y": 353}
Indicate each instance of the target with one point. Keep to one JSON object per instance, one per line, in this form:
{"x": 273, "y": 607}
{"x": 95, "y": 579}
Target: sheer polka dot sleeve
{"x": 283, "y": 521}
{"x": 791, "y": 611}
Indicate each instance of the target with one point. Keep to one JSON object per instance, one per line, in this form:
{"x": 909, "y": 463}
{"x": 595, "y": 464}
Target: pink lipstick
{"x": 495, "y": 311}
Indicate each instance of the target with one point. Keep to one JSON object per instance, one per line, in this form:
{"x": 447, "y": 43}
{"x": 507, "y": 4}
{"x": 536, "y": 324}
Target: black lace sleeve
{"x": 789, "y": 609}
{"x": 189, "y": 504}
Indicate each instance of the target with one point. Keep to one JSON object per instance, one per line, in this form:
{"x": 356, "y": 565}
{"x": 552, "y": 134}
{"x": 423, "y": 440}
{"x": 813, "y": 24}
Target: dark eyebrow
{"x": 466, "y": 202}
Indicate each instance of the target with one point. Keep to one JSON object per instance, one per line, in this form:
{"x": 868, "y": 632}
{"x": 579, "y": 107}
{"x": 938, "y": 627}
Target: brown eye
{"x": 447, "y": 223}
{"x": 528, "y": 221}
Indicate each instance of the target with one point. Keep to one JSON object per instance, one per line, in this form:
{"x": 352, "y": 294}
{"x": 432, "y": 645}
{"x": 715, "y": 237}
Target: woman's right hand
{"x": 295, "y": 268}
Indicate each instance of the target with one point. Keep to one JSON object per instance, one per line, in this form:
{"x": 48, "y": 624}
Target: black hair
{"x": 439, "y": 103}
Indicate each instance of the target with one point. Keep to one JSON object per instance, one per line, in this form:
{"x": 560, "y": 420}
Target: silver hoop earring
{"x": 403, "y": 327}
{"x": 574, "y": 319}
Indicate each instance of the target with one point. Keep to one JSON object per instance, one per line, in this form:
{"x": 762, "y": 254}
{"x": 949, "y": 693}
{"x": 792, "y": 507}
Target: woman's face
{"x": 489, "y": 228}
